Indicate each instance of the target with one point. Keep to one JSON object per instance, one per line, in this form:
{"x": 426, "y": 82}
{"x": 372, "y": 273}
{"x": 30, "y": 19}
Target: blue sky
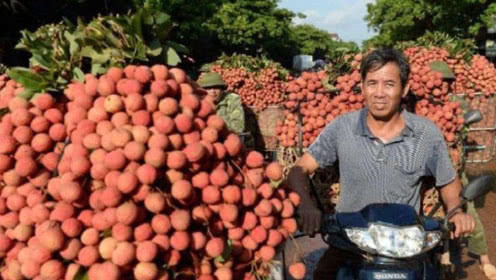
{"x": 344, "y": 17}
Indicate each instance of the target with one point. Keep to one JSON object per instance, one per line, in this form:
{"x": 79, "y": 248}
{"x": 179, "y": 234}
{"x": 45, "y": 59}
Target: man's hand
{"x": 464, "y": 224}
{"x": 450, "y": 194}
{"x": 309, "y": 215}
{"x": 309, "y": 218}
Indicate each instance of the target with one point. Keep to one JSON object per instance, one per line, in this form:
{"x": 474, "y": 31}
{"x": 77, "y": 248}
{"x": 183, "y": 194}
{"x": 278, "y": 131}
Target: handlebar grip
{"x": 451, "y": 226}
{"x": 329, "y": 224}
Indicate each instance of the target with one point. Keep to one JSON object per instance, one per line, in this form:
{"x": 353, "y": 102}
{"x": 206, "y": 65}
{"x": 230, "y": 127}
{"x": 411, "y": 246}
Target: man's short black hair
{"x": 379, "y": 57}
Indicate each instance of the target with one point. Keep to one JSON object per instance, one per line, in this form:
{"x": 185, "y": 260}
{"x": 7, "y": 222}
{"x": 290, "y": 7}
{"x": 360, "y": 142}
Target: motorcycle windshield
{"x": 385, "y": 213}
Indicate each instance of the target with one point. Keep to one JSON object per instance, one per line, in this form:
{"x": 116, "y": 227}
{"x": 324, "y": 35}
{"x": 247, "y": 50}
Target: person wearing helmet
{"x": 228, "y": 105}
{"x": 214, "y": 86}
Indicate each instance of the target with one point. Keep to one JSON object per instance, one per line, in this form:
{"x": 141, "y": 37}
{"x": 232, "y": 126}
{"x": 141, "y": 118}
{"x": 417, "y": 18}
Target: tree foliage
{"x": 63, "y": 52}
{"x": 207, "y": 28}
{"x": 403, "y": 20}
{"x": 17, "y": 15}
{"x": 317, "y": 42}
{"x": 257, "y": 28}
{"x": 190, "y": 18}
{"x": 253, "y": 27}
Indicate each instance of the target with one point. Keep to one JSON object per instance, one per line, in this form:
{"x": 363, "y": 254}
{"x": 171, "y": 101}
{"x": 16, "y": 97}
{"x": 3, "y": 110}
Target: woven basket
{"x": 267, "y": 120}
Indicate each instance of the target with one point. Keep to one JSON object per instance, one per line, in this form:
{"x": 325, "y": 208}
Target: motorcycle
{"x": 395, "y": 242}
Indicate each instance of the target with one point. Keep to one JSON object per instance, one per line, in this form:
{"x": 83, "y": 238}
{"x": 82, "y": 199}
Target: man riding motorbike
{"x": 384, "y": 153}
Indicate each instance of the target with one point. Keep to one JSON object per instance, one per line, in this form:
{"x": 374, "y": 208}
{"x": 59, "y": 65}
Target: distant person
{"x": 477, "y": 243}
{"x": 319, "y": 64}
{"x": 214, "y": 86}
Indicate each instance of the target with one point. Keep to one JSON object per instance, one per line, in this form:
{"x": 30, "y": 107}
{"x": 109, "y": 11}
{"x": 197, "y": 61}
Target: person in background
{"x": 214, "y": 86}
{"x": 477, "y": 243}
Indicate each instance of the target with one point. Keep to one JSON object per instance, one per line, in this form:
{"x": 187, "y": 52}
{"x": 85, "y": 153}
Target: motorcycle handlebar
{"x": 328, "y": 222}
{"x": 329, "y": 225}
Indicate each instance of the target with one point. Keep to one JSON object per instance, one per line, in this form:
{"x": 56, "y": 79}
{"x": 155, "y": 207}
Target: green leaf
{"x": 27, "y": 94}
{"x": 275, "y": 184}
{"x": 155, "y": 48}
{"x": 114, "y": 40}
{"x": 162, "y": 30}
{"x": 107, "y": 233}
{"x": 81, "y": 274}
{"x": 96, "y": 31}
{"x": 206, "y": 67}
{"x": 154, "y": 52}
{"x": 178, "y": 47}
{"x": 226, "y": 254}
{"x": 79, "y": 21}
{"x": 27, "y": 78}
{"x": 441, "y": 66}
{"x": 78, "y": 74}
{"x": 96, "y": 57}
{"x": 68, "y": 23}
{"x": 161, "y": 18}
{"x": 148, "y": 18}
{"x": 37, "y": 94}
{"x": 327, "y": 85}
{"x": 97, "y": 68}
{"x": 141, "y": 51}
{"x": 61, "y": 80}
{"x": 43, "y": 61}
{"x": 343, "y": 49}
{"x": 73, "y": 45}
{"x": 21, "y": 46}
{"x": 171, "y": 57}
{"x": 136, "y": 21}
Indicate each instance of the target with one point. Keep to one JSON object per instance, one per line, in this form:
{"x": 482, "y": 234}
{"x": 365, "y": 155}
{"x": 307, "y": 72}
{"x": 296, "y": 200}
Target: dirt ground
{"x": 310, "y": 249}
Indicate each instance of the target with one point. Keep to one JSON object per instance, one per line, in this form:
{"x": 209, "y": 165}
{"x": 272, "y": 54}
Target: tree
{"x": 206, "y": 28}
{"x": 210, "y": 28}
{"x": 190, "y": 18}
{"x": 311, "y": 40}
{"x": 403, "y": 20}
{"x": 253, "y": 27}
{"x": 317, "y": 42}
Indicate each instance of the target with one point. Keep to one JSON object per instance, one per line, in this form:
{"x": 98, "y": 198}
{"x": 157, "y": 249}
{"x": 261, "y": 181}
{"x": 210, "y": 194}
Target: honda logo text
{"x": 389, "y": 276}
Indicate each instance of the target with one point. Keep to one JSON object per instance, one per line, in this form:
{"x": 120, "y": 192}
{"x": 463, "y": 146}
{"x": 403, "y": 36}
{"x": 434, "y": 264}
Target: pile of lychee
{"x": 310, "y": 100}
{"x": 130, "y": 175}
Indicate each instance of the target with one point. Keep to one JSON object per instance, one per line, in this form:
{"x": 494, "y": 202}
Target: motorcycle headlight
{"x": 432, "y": 238}
{"x": 395, "y": 242}
{"x": 362, "y": 239}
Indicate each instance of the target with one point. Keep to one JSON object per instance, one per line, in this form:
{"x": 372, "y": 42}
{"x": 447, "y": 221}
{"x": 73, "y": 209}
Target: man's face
{"x": 383, "y": 91}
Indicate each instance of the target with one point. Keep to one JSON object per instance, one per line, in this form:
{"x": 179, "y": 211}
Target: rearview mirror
{"x": 472, "y": 116}
{"x": 478, "y": 187}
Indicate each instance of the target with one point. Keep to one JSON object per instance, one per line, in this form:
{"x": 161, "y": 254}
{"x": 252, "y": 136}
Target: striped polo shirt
{"x": 375, "y": 172}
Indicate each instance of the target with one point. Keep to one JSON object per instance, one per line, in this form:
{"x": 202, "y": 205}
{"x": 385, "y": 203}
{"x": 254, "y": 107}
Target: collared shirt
{"x": 375, "y": 172}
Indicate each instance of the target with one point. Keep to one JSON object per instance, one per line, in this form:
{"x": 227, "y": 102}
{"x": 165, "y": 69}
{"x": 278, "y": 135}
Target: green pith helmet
{"x": 211, "y": 79}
